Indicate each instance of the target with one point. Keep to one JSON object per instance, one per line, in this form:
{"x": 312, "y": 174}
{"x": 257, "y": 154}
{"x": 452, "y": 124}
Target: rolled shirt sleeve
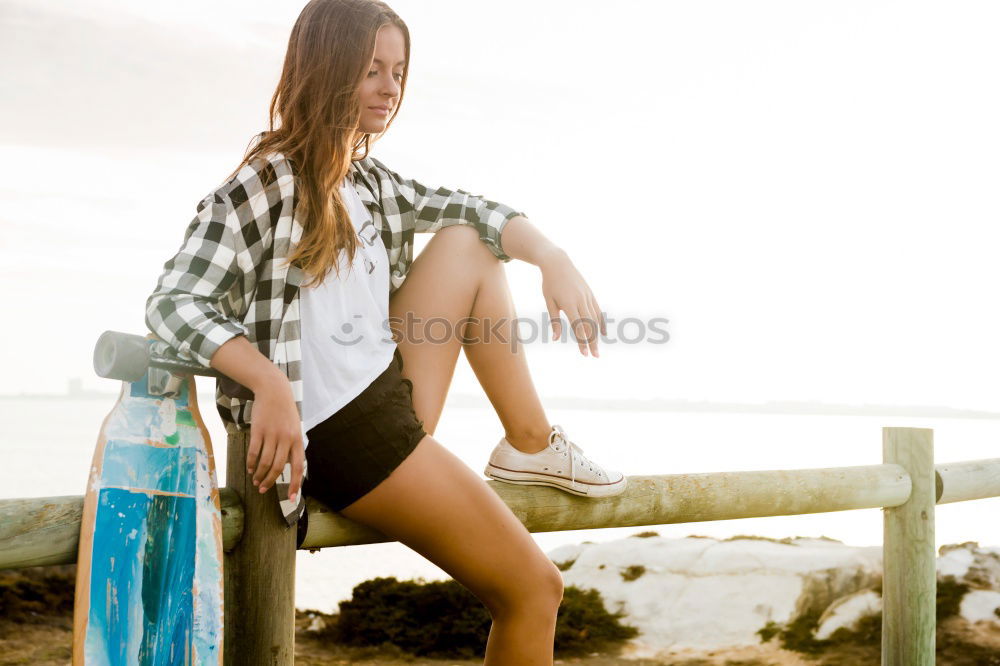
{"x": 191, "y": 306}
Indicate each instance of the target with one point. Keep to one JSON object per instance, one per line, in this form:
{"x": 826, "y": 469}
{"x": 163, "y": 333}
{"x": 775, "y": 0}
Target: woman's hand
{"x": 275, "y": 436}
{"x": 565, "y": 289}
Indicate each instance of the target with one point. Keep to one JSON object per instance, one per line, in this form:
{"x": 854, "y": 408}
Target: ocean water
{"x": 48, "y": 444}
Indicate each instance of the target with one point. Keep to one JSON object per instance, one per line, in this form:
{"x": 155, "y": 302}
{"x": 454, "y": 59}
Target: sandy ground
{"x": 46, "y": 640}
{"x": 312, "y": 652}
{"x": 48, "y": 644}
{"x": 36, "y": 628}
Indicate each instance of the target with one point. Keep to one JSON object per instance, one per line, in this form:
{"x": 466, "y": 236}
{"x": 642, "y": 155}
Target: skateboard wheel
{"x": 121, "y": 356}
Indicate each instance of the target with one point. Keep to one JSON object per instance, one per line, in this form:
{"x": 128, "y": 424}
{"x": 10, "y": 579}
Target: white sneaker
{"x": 561, "y": 465}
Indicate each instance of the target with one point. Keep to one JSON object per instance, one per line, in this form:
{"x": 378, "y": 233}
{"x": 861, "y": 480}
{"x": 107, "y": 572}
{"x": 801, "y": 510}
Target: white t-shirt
{"x": 346, "y": 342}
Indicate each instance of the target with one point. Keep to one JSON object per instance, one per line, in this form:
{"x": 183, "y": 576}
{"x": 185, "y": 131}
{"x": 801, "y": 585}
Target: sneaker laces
{"x": 575, "y": 452}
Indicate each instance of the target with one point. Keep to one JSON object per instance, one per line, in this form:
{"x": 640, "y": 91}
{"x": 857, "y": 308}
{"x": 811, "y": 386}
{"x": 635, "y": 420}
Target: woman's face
{"x": 380, "y": 89}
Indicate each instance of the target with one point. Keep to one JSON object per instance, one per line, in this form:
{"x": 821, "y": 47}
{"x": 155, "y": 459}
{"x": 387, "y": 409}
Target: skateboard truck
{"x": 128, "y": 357}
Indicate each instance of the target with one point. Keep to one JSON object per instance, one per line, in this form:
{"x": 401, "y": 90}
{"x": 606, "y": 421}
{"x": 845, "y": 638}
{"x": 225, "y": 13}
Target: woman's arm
{"x": 185, "y": 309}
{"x": 438, "y": 207}
{"x": 195, "y": 309}
{"x": 275, "y": 428}
{"x": 523, "y": 240}
{"x": 562, "y": 284}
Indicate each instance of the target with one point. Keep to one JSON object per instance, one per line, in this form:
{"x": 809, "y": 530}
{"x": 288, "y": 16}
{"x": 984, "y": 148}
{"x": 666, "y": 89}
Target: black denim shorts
{"x": 360, "y": 445}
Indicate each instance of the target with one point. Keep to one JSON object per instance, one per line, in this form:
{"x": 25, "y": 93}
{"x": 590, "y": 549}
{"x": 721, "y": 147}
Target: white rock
{"x": 980, "y": 605}
{"x": 846, "y": 611}
{"x": 970, "y": 563}
{"x": 704, "y": 593}
{"x": 566, "y": 553}
{"x": 955, "y": 562}
{"x": 700, "y": 593}
{"x": 317, "y": 624}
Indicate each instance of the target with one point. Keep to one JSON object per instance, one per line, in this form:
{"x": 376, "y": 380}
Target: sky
{"x": 806, "y": 191}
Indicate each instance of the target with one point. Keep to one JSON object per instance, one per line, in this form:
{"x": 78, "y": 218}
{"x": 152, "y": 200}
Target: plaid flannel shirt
{"x": 229, "y": 277}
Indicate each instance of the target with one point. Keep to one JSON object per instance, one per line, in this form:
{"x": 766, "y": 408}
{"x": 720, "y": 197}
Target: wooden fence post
{"x": 909, "y": 574}
{"x": 259, "y": 620}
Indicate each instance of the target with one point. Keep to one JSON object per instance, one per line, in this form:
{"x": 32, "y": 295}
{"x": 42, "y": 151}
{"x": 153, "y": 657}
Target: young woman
{"x": 286, "y": 280}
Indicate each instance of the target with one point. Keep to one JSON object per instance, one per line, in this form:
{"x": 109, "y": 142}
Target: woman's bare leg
{"x": 454, "y": 278}
{"x": 443, "y": 510}
{"x": 473, "y": 535}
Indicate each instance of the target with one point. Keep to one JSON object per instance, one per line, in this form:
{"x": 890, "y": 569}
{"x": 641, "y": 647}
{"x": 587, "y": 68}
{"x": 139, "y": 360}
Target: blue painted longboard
{"x": 149, "y": 566}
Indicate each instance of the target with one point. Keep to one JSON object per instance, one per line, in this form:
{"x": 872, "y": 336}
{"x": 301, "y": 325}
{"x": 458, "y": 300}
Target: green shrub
{"x": 769, "y": 631}
{"x": 632, "y": 572}
{"x": 584, "y": 625}
{"x": 444, "y": 620}
{"x": 798, "y": 634}
{"x": 565, "y": 564}
{"x": 949, "y": 596}
{"x": 868, "y": 631}
{"x": 37, "y": 592}
{"x": 436, "y": 619}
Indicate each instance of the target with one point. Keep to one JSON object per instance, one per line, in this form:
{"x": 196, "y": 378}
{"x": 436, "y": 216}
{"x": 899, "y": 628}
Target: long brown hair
{"x": 314, "y": 118}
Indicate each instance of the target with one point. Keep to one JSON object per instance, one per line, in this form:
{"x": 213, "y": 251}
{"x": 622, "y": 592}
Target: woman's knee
{"x": 463, "y": 240}
{"x": 553, "y": 584}
{"x": 538, "y": 590}
{"x": 457, "y": 233}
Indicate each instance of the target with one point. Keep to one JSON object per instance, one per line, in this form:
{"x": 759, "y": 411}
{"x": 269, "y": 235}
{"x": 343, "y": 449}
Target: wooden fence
{"x": 260, "y": 548}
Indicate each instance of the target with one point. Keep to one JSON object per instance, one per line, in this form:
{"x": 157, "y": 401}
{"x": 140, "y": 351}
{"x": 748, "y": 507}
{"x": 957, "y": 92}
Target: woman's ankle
{"x": 529, "y": 441}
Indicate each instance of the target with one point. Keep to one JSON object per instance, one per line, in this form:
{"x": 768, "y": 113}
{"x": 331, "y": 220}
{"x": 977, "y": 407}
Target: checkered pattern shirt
{"x": 229, "y": 277}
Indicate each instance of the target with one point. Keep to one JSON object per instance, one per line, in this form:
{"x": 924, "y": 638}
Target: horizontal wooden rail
{"x": 36, "y": 531}
{"x": 967, "y": 480}
{"x": 45, "y": 530}
{"x": 672, "y": 498}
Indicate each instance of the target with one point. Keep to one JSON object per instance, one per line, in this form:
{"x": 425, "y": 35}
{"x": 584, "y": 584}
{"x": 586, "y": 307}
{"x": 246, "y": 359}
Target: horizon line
{"x": 466, "y": 400}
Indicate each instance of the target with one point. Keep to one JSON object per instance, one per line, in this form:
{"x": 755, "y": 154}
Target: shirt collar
{"x": 356, "y": 176}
